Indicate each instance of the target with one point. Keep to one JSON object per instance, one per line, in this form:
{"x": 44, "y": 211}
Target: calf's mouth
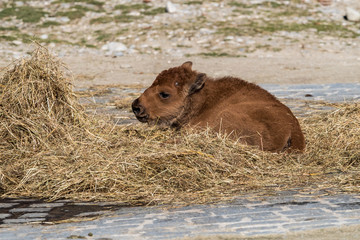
{"x": 139, "y": 111}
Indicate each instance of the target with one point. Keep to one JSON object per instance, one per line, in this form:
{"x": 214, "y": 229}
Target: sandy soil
{"x": 280, "y": 68}
{"x": 285, "y": 67}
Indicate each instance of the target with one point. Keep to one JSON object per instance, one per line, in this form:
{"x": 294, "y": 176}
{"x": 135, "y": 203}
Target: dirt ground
{"x": 281, "y": 68}
{"x": 286, "y": 67}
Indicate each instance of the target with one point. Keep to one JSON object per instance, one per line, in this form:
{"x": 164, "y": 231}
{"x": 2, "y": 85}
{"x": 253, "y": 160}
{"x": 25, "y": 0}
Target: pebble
{"x": 114, "y": 48}
{"x": 352, "y": 15}
{"x": 17, "y": 42}
{"x": 64, "y": 19}
{"x": 170, "y": 7}
{"x": 125, "y": 66}
{"x": 19, "y": 4}
{"x": 44, "y": 36}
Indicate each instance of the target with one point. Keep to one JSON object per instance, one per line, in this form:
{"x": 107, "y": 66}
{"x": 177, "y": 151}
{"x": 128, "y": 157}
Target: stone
{"x": 352, "y": 15}
{"x": 44, "y": 36}
{"x": 170, "y": 7}
{"x": 114, "y": 47}
{"x": 64, "y": 19}
{"x": 17, "y": 42}
{"x": 4, "y": 215}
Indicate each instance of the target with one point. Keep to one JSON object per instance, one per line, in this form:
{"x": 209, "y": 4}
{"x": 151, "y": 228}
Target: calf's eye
{"x": 164, "y": 95}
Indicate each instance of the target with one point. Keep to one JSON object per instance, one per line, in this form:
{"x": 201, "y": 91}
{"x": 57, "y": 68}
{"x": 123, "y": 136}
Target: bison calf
{"x": 182, "y": 97}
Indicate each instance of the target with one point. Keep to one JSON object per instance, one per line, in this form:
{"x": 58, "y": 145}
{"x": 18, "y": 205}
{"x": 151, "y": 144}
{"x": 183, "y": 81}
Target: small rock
{"x": 239, "y": 40}
{"x": 114, "y": 47}
{"x": 134, "y": 13}
{"x": 170, "y": 7}
{"x": 19, "y": 3}
{"x": 206, "y": 31}
{"x": 64, "y": 19}
{"x": 125, "y": 66}
{"x": 352, "y": 15}
{"x": 17, "y": 42}
{"x": 44, "y": 36}
{"x": 118, "y": 54}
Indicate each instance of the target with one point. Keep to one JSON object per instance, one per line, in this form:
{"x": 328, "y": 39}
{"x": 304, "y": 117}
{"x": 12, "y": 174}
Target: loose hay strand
{"x": 49, "y": 148}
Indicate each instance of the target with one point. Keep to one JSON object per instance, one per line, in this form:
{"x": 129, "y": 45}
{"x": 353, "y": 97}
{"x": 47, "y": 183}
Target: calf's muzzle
{"x": 139, "y": 111}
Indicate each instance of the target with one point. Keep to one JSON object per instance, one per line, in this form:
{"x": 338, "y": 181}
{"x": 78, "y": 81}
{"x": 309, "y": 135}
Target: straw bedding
{"x": 49, "y": 148}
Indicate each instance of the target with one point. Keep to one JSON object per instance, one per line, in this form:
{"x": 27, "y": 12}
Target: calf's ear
{"x": 187, "y": 65}
{"x": 198, "y": 84}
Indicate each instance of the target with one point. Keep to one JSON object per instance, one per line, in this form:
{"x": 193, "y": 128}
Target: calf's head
{"x": 165, "y": 99}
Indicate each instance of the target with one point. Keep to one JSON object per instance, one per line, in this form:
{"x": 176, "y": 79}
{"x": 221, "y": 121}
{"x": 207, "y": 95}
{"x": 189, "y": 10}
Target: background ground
{"x": 128, "y": 42}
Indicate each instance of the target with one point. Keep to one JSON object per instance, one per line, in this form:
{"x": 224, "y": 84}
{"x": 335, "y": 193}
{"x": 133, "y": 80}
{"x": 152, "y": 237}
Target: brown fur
{"x": 182, "y": 97}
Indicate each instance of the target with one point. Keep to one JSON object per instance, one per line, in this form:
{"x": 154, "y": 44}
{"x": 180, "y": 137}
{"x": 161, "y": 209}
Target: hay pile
{"x": 37, "y": 103}
{"x": 50, "y": 149}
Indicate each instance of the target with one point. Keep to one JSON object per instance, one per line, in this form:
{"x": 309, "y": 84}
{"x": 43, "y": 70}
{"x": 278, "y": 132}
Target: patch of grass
{"x": 72, "y": 15}
{"x": 270, "y": 4}
{"x": 240, "y": 5}
{"x": 154, "y": 11}
{"x": 183, "y": 46}
{"x": 145, "y": 9}
{"x": 328, "y": 27}
{"x": 7, "y": 38}
{"x": 233, "y": 31}
{"x": 12, "y": 28}
{"x": 25, "y": 13}
{"x": 253, "y": 28}
{"x": 128, "y": 8}
{"x": 267, "y": 47}
{"x": 103, "y": 36}
{"x": 243, "y": 11}
{"x": 292, "y": 11}
{"x": 123, "y": 18}
{"x": 194, "y": 3}
{"x": 82, "y": 8}
{"x": 219, "y": 54}
{"x": 101, "y": 20}
{"x": 7, "y": 12}
{"x": 49, "y": 24}
{"x": 91, "y": 2}
{"x": 90, "y": 45}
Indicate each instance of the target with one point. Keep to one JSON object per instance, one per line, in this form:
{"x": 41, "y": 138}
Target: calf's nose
{"x": 138, "y": 109}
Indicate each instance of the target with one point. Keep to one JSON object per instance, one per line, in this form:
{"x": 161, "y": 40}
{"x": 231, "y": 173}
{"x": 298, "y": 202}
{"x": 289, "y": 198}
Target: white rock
{"x": 125, "y": 66}
{"x": 114, "y": 47}
{"x": 44, "y": 36}
{"x": 352, "y": 15}
{"x": 228, "y": 38}
{"x": 118, "y": 54}
{"x": 170, "y": 7}
{"x": 206, "y": 31}
{"x": 239, "y": 39}
{"x": 64, "y": 19}
{"x": 19, "y": 4}
{"x": 17, "y": 42}
{"x": 134, "y": 13}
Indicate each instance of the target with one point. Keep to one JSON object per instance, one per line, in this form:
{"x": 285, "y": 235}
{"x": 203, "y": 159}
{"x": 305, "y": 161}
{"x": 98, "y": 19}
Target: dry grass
{"x": 50, "y": 149}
